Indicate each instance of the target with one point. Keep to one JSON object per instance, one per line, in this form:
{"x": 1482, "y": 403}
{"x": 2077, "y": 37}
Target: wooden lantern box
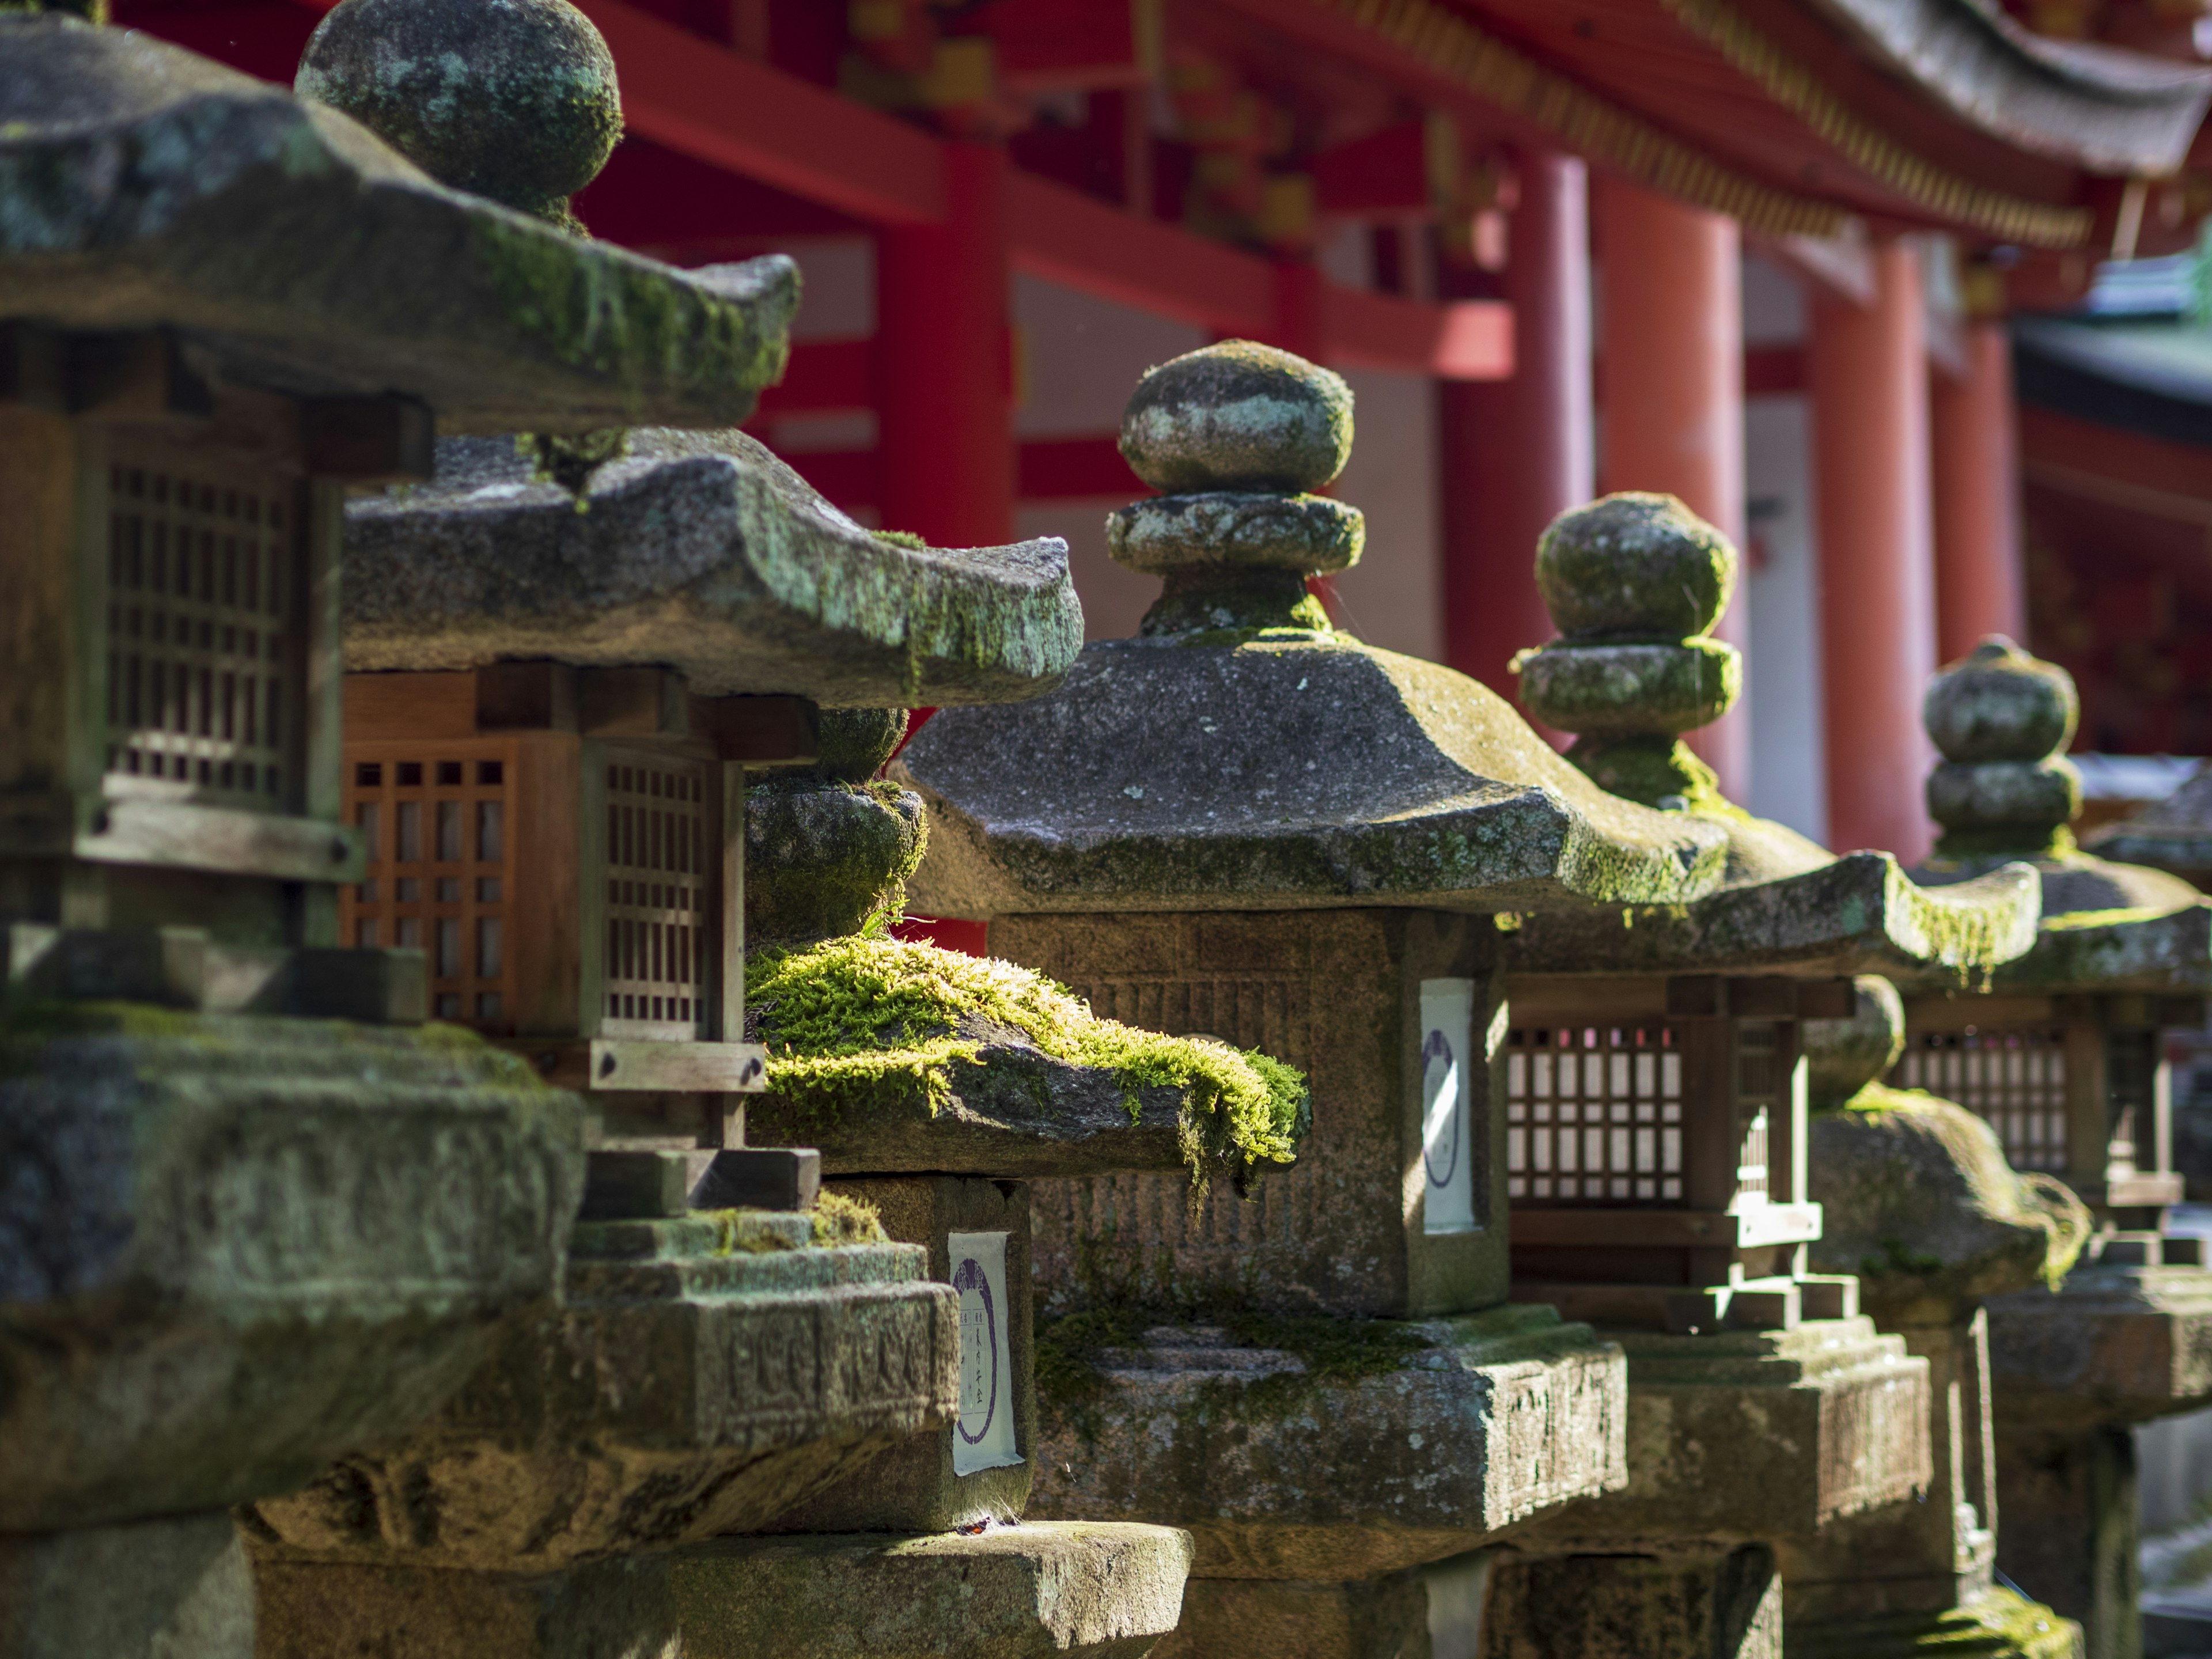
{"x": 2077, "y": 1086}
{"x": 172, "y": 829}
{"x": 564, "y": 846}
{"x": 1654, "y": 1150}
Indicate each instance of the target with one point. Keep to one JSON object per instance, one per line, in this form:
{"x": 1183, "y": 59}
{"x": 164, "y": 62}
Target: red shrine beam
{"x": 684, "y": 91}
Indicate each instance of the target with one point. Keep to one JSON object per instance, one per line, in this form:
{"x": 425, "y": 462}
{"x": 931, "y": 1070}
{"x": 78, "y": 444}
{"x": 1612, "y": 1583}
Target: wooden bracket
{"x": 760, "y": 731}
{"x": 384, "y": 440}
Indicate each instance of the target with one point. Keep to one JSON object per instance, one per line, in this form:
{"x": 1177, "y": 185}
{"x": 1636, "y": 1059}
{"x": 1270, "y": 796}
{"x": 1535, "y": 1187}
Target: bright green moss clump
{"x": 843, "y": 1018}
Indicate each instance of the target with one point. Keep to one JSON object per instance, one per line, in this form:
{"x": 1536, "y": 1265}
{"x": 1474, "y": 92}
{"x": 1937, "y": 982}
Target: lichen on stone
{"x": 569, "y": 459}
{"x": 841, "y": 1018}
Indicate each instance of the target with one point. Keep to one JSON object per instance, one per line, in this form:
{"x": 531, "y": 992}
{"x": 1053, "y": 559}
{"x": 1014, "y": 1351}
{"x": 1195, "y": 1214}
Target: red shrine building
{"x": 1765, "y": 254}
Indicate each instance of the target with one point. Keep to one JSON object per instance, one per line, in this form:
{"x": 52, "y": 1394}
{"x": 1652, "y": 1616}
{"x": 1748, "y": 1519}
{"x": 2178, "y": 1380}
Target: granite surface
{"x": 1294, "y": 769}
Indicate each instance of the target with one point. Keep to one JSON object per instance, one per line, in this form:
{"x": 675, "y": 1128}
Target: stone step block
{"x": 664, "y": 1405}
{"x": 1088, "y": 1591}
{"x": 1760, "y": 1435}
{"x": 1382, "y": 1445}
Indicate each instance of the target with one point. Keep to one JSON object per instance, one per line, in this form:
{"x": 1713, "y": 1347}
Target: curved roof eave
{"x": 2109, "y": 111}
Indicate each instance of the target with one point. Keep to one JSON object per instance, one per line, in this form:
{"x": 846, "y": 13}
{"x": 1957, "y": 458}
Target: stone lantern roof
{"x": 2173, "y": 834}
{"x": 2004, "y": 791}
{"x": 1258, "y": 759}
{"x": 1636, "y": 582}
{"x": 142, "y": 186}
{"x": 703, "y": 553}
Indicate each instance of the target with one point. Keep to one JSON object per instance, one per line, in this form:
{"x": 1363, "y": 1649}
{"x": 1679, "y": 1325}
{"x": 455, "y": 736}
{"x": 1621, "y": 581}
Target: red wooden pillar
{"x": 943, "y": 362}
{"x": 1979, "y": 579}
{"x": 1514, "y": 454}
{"x": 1670, "y": 282}
{"x": 1869, "y": 375}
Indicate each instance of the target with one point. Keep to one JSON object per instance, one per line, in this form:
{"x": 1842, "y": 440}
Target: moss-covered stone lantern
{"x": 1244, "y": 824}
{"x": 1657, "y": 1144}
{"x": 565, "y": 656}
{"x": 1917, "y": 1201}
{"x": 258, "y": 1217}
{"x": 2064, "y": 1057}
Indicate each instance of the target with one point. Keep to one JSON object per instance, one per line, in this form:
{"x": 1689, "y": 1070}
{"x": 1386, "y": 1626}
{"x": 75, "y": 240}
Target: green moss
{"x": 905, "y": 538}
{"x": 596, "y": 309}
{"x": 1655, "y": 770}
{"x": 569, "y": 459}
{"x": 831, "y": 859}
{"x": 843, "y": 1018}
{"x": 1216, "y": 606}
{"x": 841, "y": 1218}
{"x": 1998, "y": 1624}
{"x": 2004, "y": 841}
{"x": 2027, "y": 1197}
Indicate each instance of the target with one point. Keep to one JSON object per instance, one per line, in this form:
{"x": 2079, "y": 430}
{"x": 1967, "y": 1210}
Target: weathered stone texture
{"x": 1336, "y": 993}
{"x": 1918, "y": 1202}
{"x": 1238, "y": 416}
{"x": 690, "y": 1386}
{"x": 704, "y": 553}
{"x": 1294, "y": 770}
{"x": 1284, "y": 1471}
{"x": 177, "y": 1588}
{"x": 2115, "y": 1345}
{"x": 1665, "y": 1604}
{"x": 1092, "y": 1591}
{"x": 1759, "y": 1435}
{"x": 232, "y": 1249}
{"x": 1858, "y": 914}
{"x": 913, "y": 1487}
{"x": 142, "y": 186}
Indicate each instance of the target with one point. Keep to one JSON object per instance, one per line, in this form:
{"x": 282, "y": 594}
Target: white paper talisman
{"x": 1447, "y": 1118}
{"x": 983, "y": 1438}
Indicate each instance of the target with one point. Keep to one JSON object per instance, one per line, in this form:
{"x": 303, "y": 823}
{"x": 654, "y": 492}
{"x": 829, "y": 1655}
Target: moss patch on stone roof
{"x": 842, "y": 1018}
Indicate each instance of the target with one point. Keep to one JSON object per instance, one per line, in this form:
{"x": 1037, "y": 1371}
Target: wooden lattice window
{"x": 439, "y": 832}
{"x": 658, "y": 930}
{"x": 2014, "y": 1076}
{"x": 206, "y": 673}
{"x": 1594, "y": 1114}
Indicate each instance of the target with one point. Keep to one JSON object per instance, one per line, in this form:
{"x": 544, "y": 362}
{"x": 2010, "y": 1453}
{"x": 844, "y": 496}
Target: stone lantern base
{"x": 1094, "y": 1591}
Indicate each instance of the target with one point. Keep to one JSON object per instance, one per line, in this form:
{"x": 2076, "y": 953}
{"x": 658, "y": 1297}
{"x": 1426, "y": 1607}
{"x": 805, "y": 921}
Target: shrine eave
{"x": 1793, "y": 116}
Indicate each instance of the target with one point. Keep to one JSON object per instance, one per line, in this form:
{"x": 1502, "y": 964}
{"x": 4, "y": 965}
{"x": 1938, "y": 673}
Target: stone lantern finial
{"x": 1634, "y": 583}
{"x": 1233, "y": 435}
{"x": 1842, "y": 1056}
{"x": 514, "y": 100}
{"x": 2003, "y": 720}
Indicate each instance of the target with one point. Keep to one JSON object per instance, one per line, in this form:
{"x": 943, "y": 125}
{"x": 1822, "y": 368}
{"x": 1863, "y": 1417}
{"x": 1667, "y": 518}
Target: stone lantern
{"x": 1658, "y": 1143}
{"x": 1244, "y": 824}
{"x": 557, "y": 686}
{"x": 256, "y": 1218}
{"x": 2064, "y": 1057}
{"x": 1918, "y": 1199}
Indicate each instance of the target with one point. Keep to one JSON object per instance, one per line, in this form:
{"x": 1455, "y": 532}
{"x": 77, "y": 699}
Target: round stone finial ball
{"x": 515, "y": 100}
{"x": 1998, "y": 703}
{"x": 1634, "y": 564}
{"x": 856, "y": 741}
{"x": 1842, "y": 1056}
{"x": 1238, "y": 416}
